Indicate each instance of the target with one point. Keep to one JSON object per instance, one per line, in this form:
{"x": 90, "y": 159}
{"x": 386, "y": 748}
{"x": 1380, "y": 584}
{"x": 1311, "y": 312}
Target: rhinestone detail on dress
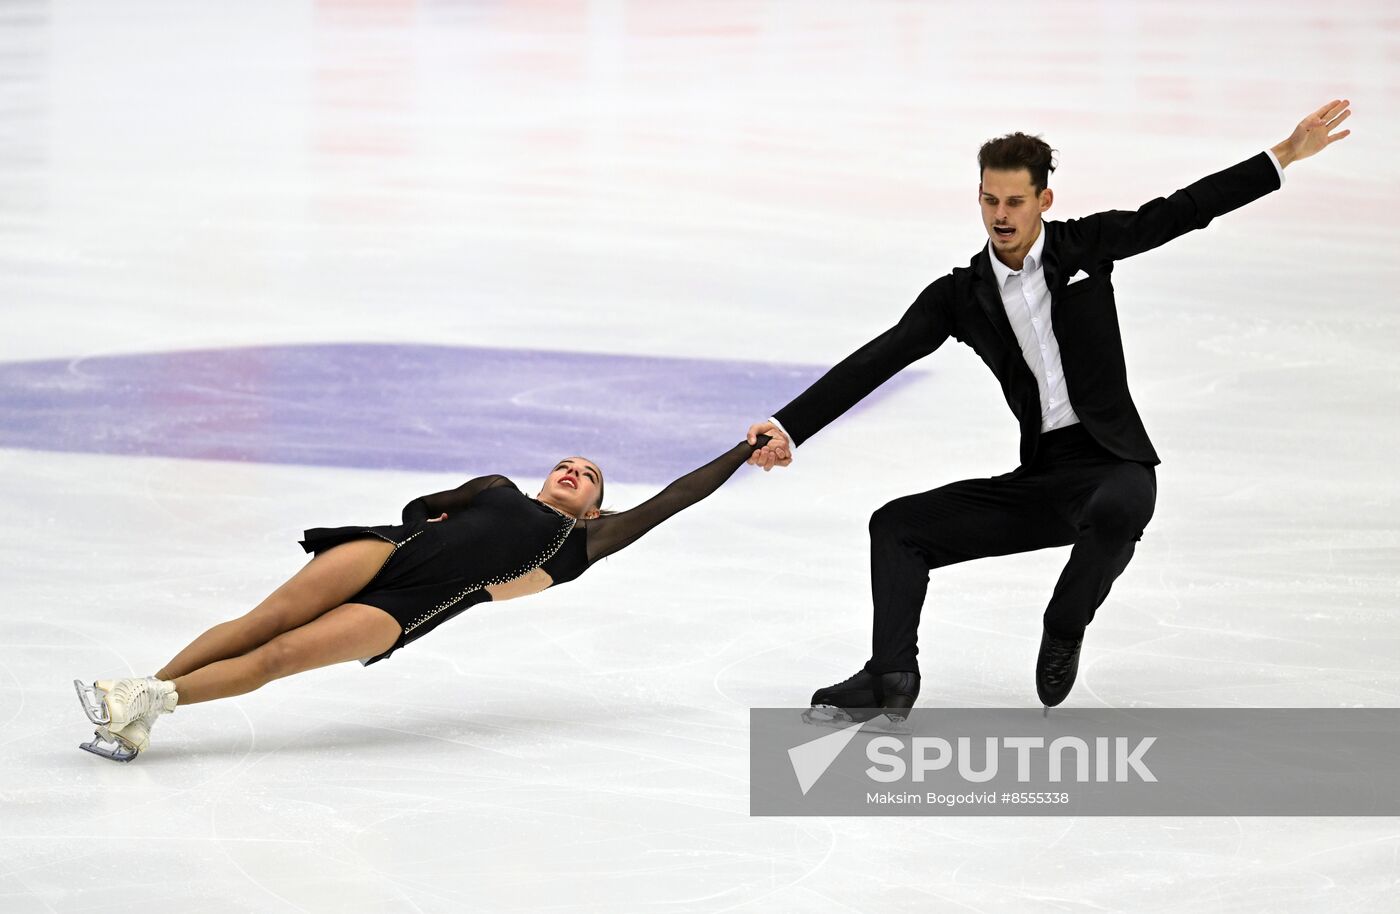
{"x": 388, "y": 558}
{"x": 545, "y": 555}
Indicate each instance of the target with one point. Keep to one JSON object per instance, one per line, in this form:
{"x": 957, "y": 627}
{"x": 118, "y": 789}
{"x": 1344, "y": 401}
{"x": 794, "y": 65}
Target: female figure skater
{"x": 368, "y": 591}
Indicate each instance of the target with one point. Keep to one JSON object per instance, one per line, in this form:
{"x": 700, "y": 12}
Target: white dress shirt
{"x": 1026, "y": 298}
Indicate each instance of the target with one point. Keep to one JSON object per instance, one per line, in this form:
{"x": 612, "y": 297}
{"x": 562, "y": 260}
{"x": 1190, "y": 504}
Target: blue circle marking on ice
{"x": 394, "y": 406}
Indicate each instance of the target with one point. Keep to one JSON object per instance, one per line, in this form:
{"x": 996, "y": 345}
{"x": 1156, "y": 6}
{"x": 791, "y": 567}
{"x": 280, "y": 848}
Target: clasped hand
{"x": 776, "y": 453}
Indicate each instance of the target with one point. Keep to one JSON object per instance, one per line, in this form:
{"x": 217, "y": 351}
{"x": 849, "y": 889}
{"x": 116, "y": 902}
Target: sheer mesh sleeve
{"x": 451, "y": 501}
{"x": 612, "y": 532}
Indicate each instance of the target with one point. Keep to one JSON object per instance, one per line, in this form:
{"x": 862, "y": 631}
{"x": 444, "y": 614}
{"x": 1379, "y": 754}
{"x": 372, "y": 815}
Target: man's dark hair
{"x": 1016, "y": 151}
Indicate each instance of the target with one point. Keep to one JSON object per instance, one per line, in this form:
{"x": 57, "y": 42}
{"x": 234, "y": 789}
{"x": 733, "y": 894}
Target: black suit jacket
{"x": 966, "y": 305}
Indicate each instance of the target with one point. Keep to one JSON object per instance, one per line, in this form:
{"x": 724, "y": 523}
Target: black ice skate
{"x": 898, "y": 692}
{"x": 882, "y": 699}
{"x": 1056, "y": 668}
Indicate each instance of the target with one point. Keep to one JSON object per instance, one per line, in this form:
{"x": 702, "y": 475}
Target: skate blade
{"x": 93, "y": 705}
{"x": 831, "y": 716}
{"x": 885, "y": 723}
{"x": 874, "y": 719}
{"x": 827, "y": 716}
{"x": 109, "y": 747}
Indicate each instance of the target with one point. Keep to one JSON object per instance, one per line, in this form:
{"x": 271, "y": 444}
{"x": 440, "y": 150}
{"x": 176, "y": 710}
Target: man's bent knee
{"x": 889, "y": 520}
{"x": 1118, "y": 521}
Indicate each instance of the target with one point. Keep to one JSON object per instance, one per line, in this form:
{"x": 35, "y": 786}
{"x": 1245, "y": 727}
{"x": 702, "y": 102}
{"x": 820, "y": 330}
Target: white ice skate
{"x": 110, "y": 746}
{"x": 125, "y": 710}
{"x": 91, "y": 696}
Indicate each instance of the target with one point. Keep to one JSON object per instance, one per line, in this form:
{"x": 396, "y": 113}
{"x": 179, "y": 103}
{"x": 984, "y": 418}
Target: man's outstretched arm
{"x": 1117, "y": 234}
{"x": 922, "y": 329}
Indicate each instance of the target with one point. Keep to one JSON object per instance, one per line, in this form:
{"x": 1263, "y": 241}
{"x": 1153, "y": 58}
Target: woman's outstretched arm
{"x": 612, "y": 532}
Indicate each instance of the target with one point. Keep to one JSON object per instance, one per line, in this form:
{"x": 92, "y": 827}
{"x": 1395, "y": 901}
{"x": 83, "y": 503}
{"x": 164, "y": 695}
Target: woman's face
{"x": 573, "y": 487}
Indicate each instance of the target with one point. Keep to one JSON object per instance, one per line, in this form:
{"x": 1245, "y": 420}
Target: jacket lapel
{"x": 984, "y": 288}
{"x": 1050, "y": 260}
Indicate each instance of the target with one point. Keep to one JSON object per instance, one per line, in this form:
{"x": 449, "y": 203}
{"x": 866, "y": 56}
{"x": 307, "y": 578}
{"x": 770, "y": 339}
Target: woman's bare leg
{"x": 325, "y": 582}
{"x": 349, "y": 632}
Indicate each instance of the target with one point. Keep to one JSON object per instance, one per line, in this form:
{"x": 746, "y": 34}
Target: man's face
{"x": 1011, "y": 211}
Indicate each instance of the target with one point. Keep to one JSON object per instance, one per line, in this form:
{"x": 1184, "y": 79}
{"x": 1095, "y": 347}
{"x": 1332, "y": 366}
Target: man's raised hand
{"x": 1314, "y": 133}
{"x": 776, "y": 453}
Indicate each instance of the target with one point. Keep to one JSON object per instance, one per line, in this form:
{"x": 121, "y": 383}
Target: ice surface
{"x": 731, "y": 182}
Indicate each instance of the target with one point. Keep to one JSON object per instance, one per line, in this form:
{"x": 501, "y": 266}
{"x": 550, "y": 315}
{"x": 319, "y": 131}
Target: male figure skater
{"x": 1037, "y": 305}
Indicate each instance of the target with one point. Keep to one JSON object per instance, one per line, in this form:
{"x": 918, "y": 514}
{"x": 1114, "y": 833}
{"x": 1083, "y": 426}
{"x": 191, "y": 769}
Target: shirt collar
{"x": 1002, "y": 271}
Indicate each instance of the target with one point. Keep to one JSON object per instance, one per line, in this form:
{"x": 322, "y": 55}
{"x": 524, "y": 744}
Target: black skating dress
{"x": 495, "y": 534}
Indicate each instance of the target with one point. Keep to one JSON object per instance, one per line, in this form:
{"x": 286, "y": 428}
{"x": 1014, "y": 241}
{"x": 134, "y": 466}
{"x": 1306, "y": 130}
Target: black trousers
{"x": 1074, "y": 493}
